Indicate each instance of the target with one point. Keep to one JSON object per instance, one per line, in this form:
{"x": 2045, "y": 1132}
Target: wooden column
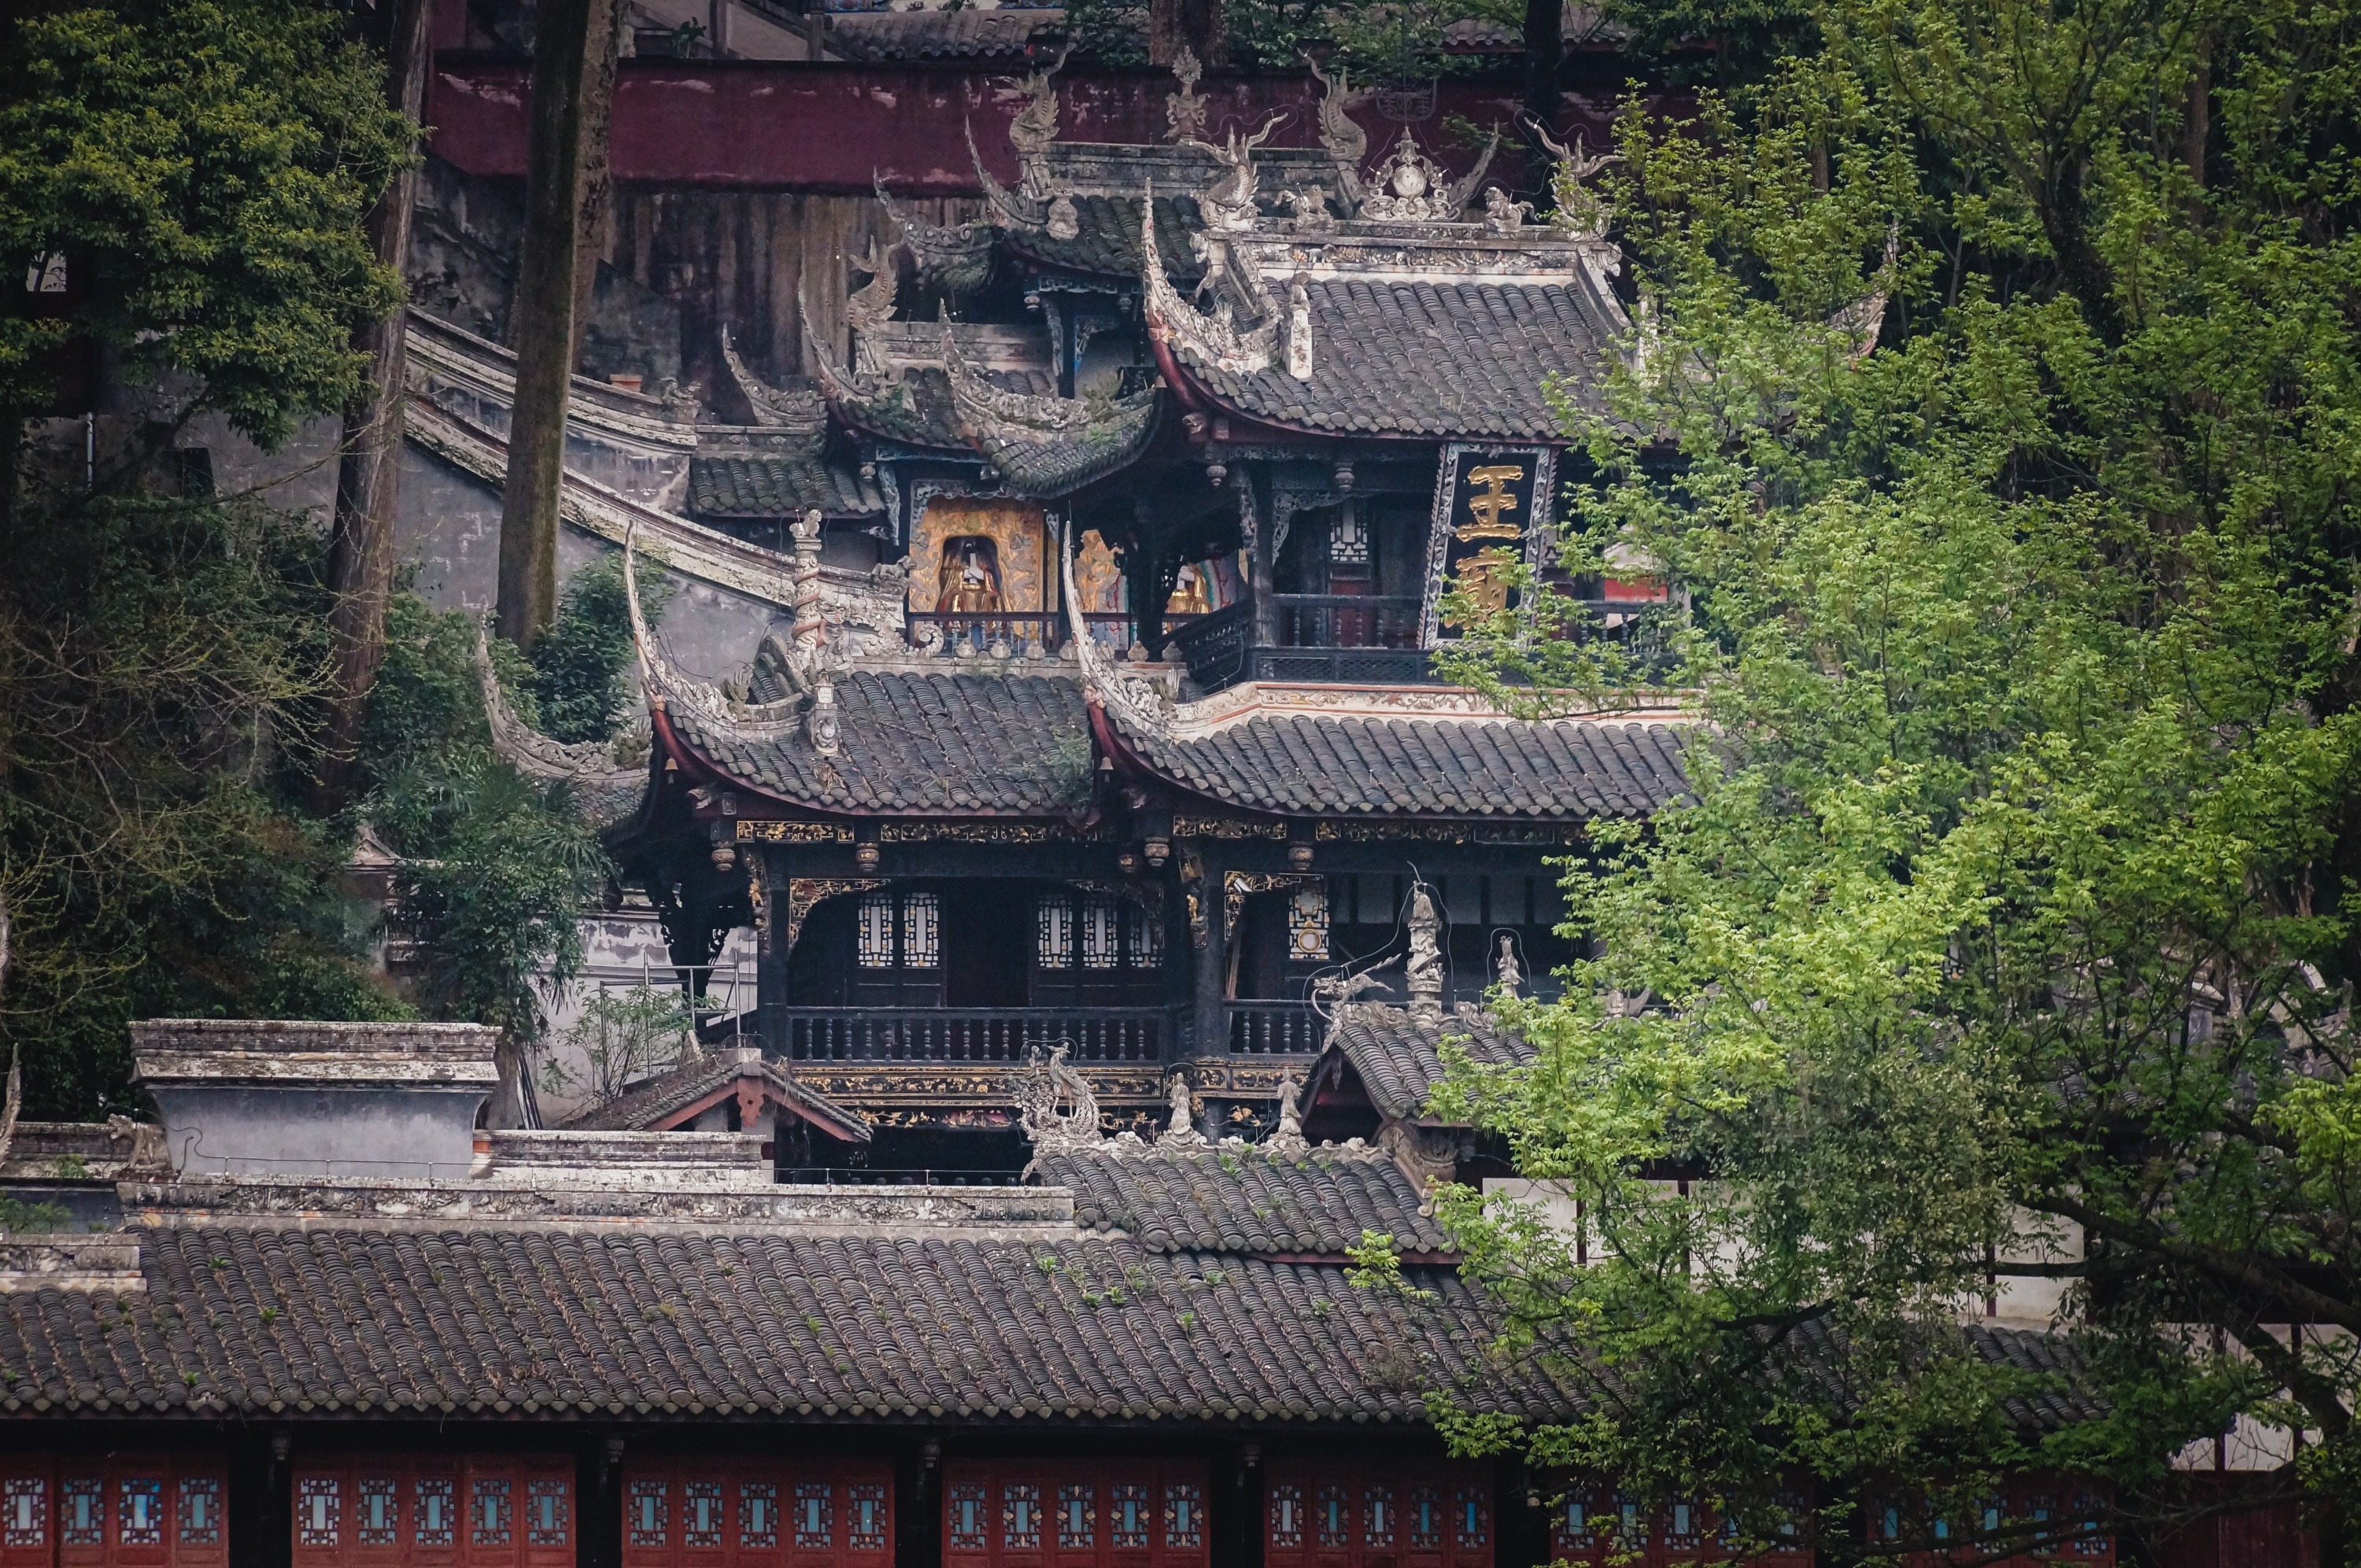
{"x": 360, "y": 541}
{"x": 1209, "y": 960}
{"x": 567, "y": 188}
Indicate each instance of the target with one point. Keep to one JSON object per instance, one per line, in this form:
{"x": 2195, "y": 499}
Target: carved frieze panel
{"x": 794, "y": 832}
{"x": 807, "y": 892}
{"x": 1187, "y": 825}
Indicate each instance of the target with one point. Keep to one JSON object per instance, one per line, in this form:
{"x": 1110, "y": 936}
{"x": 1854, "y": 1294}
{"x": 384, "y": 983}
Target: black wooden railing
{"x": 954, "y": 633}
{"x": 1274, "y": 1028}
{"x": 966, "y": 1034}
{"x": 1345, "y": 620}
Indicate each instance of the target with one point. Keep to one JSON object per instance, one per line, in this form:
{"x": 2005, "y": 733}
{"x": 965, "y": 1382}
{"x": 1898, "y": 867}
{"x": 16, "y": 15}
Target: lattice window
{"x": 1425, "y": 1519}
{"x": 1020, "y": 1517}
{"x": 758, "y": 1516}
{"x": 436, "y": 1522}
{"x": 1286, "y": 1515}
{"x": 1184, "y": 1516}
{"x": 966, "y": 1516}
{"x": 25, "y": 1511}
{"x": 139, "y": 1521}
{"x": 200, "y": 1510}
{"x": 2090, "y": 1545}
{"x": 490, "y": 1526}
{"x": 1377, "y": 1519}
{"x": 1684, "y": 1526}
{"x": 1078, "y": 1524}
{"x": 864, "y": 1508}
{"x": 1572, "y": 1526}
{"x": 1126, "y": 1516}
{"x": 1147, "y": 941}
{"x": 548, "y": 1513}
{"x": 700, "y": 1514}
{"x": 1053, "y": 932}
{"x": 1348, "y": 538}
{"x": 921, "y": 931}
{"x": 815, "y": 1517}
{"x": 377, "y": 1511}
{"x": 319, "y": 1511}
{"x": 1471, "y": 1517}
{"x": 872, "y": 931}
{"x": 1307, "y": 926}
{"x": 1329, "y": 1517}
{"x": 1101, "y": 932}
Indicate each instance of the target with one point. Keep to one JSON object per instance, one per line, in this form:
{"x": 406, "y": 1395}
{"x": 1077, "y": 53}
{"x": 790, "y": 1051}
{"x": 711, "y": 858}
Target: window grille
{"x": 1471, "y": 1517}
{"x": 1077, "y": 1519}
{"x": 1348, "y": 541}
{"x": 1286, "y": 1515}
{"x": 1307, "y": 926}
{"x": 1128, "y": 1516}
{"x": 1425, "y": 1519}
{"x": 546, "y": 1513}
{"x": 1053, "y": 941}
{"x": 1683, "y": 1529}
{"x": 378, "y": 1517}
{"x": 200, "y": 1510}
{"x": 700, "y": 1514}
{"x": 921, "y": 920}
{"x": 319, "y": 1512}
{"x": 1147, "y": 941}
{"x": 492, "y": 1505}
{"x": 815, "y": 1517}
{"x": 438, "y": 1511}
{"x": 865, "y": 1506}
{"x": 1574, "y": 1532}
{"x": 1101, "y": 931}
{"x": 140, "y": 1519}
{"x": 25, "y": 1511}
{"x": 1020, "y": 1517}
{"x": 1329, "y": 1518}
{"x": 1184, "y": 1517}
{"x": 758, "y": 1516}
{"x": 967, "y": 1518}
{"x": 1377, "y": 1515}
{"x": 873, "y": 931}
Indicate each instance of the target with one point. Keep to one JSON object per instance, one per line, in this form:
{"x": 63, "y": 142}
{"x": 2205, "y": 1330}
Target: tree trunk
{"x": 360, "y": 546}
{"x": 1194, "y": 25}
{"x": 1544, "y": 60}
{"x": 565, "y": 202}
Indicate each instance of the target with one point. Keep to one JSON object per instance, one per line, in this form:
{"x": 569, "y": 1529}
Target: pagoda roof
{"x": 1397, "y": 1053}
{"x": 673, "y": 1097}
{"x": 919, "y": 742}
{"x": 763, "y": 472}
{"x": 1243, "y": 1198}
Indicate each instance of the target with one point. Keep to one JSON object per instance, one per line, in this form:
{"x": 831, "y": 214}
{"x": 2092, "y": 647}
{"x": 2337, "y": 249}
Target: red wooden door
{"x": 1377, "y": 1515}
{"x": 768, "y": 1513}
{"x": 406, "y": 1511}
{"x": 1074, "y": 1514}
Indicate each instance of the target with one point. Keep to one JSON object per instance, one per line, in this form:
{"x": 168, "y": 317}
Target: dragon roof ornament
{"x": 953, "y": 260}
{"x": 1009, "y": 209}
{"x": 1133, "y": 702}
{"x": 1213, "y": 338}
{"x": 665, "y": 685}
{"x": 804, "y": 411}
{"x": 1048, "y": 446}
{"x": 1346, "y": 143}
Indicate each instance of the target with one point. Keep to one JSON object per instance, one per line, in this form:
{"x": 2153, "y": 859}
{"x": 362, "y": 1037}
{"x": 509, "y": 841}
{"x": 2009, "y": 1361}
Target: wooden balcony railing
{"x": 966, "y": 1034}
{"x": 1275, "y": 1028}
{"x": 1345, "y": 620}
{"x": 979, "y": 633}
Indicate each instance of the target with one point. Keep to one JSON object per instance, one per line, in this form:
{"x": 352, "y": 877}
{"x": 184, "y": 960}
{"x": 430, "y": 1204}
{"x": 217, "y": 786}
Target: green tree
{"x": 203, "y": 168}
{"x": 2006, "y": 936}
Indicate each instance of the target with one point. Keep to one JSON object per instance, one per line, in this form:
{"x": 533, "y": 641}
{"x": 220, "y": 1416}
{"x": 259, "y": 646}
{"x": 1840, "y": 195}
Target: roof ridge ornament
{"x": 803, "y": 412}
{"x": 1134, "y": 703}
{"x": 1184, "y": 111}
{"x": 1009, "y": 209}
{"x": 1411, "y": 185}
{"x": 1056, "y": 1107}
{"x": 1579, "y": 213}
{"x": 1346, "y": 143}
{"x": 872, "y": 305}
{"x": 1211, "y": 338}
{"x": 1047, "y": 445}
{"x": 953, "y": 260}
{"x": 664, "y": 686}
{"x": 1228, "y": 204}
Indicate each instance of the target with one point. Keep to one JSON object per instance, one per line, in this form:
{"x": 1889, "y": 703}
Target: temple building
{"x": 1047, "y": 708}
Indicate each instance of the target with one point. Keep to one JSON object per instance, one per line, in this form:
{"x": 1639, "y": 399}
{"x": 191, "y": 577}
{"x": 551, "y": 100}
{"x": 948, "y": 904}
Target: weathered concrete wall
{"x": 418, "y": 1132}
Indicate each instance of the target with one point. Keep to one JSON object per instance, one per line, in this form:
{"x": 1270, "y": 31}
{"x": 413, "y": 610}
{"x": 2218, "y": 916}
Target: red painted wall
{"x": 831, "y": 127}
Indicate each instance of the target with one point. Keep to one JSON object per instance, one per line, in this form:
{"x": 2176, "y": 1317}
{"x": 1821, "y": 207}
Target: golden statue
{"x": 968, "y": 582}
{"x": 1188, "y": 596}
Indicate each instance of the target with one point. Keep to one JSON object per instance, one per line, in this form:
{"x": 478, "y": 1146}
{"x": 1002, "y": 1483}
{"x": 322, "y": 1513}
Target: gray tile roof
{"x": 1565, "y": 768}
{"x": 1399, "y": 1057}
{"x": 1106, "y": 239}
{"x": 1441, "y": 359}
{"x": 649, "y": 1104}
{"x": 1244, "y": 1199}
{"x": 921, "y": 742}
{"x": 543, "y": 1320}
{"x": 736, "y": 485}
{"x": 940, "y": 34}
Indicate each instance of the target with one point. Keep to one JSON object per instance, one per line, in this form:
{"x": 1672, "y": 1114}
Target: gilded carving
{"x": 1238, "y": 886}
{"x": 970, "y": 556}
{"x": 794, "y": 832}
{"x": 807, "y": 892}
{"x": 969, "y": 833}
{"x": 1187, "y": 825}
